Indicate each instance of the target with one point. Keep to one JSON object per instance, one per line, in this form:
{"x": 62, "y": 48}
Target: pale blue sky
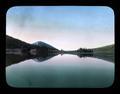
{"x": 64, "y": 27}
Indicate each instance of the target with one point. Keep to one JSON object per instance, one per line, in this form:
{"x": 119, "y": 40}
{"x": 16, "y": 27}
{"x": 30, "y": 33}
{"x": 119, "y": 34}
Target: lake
{"x": 61, "y": 71}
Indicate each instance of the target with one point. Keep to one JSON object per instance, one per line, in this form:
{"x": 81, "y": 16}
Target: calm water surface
{"x": 61, "y": 72}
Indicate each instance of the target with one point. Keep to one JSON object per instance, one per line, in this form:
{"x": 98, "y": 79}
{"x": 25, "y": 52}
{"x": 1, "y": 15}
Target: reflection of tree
{"x": 84, "y": 50}
{"x": 85, "y": 55}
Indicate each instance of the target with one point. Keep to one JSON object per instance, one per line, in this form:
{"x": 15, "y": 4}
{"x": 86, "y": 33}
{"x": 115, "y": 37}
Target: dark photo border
{"x": 5, "y": 5}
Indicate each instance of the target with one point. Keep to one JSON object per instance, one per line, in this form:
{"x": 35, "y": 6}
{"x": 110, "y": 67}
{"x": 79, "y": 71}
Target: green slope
{"x": 106, "y": 52}
{"x": 12, "y": 43}
{"x": 106, "y": 49}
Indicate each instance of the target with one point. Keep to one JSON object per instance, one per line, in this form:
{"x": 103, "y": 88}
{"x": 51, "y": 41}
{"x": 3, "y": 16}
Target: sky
{"x": 64, "y": 27}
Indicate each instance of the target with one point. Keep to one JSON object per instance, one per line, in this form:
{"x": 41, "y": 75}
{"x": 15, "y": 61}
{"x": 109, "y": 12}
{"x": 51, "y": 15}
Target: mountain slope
{"x": 15, "y": 43}
{"x": 41, "y": 47}
{"x": 43, "y": 44}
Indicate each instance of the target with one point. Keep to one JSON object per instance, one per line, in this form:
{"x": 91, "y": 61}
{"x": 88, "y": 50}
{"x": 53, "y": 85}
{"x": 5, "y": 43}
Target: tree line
{"x": 85, "y": 50}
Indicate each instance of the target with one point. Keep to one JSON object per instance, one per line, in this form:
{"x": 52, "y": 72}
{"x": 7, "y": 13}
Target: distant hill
{"x": 41, "y": 47}
{"x": 43, "y": 44}
{"x": 42, "y": 50}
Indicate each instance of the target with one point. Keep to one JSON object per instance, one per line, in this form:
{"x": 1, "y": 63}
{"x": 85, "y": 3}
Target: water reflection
{"x": 61, "y": 72}
{"x": 13, "y": 59}
{"x": 44, "y": 57}
{"x": 84, "y": 55}
{"x": 106, "y": 57}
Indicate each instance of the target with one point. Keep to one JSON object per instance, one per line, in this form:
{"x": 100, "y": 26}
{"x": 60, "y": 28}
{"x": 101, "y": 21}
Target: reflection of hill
{"x": 44, "y": 57}
{"x": 14, "y": 59}
{"x": 103, "y": 56}
{"x": 109, "y": 58}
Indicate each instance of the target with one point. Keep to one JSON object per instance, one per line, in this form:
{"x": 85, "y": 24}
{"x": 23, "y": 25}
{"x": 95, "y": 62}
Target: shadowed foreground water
{"x": 66, "y": 71}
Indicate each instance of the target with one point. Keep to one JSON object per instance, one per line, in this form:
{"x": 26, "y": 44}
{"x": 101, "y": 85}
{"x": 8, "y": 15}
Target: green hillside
{"x": 106, "y": 49}
{"x": 12, "y": 43}
{"x": 106, "y": 52}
